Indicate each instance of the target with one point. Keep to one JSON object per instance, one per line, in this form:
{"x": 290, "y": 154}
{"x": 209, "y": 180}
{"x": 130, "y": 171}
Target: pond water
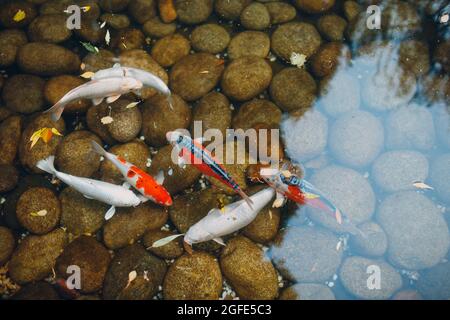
{"x": 362, "y": 111}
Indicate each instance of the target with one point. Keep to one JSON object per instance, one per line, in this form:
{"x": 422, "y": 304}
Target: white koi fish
{"x": 114, "y": 195}
{"x": 148, "y": 79}
{"x": 221, "y": 222}
{"x": 110, "y": 88}
{"x": 150, "y": 188}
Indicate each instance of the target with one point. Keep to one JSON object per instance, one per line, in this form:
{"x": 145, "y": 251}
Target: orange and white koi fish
{"x": 114, "y": 195}
{"x": 97, "y": 90}
{"x": 149, "y": 187}
{"x": 221, "y": 222}
{"x": 194, "y": 153}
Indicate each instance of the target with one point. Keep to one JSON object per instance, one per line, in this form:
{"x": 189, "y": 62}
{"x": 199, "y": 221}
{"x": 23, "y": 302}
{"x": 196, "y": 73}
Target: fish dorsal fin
{"x": 160, "y": 177}
{"x": 97, "y": 101}
{"x": 111, "y": 99}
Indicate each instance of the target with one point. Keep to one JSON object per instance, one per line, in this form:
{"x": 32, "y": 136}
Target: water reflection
{"x": 380, "y": 126}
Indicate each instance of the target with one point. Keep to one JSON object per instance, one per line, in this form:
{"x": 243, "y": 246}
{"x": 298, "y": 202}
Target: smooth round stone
{"x": 305, "y": 137}
{"x": 410, "y": 127}
{"x": 389, "y": 89}
{"x": 398, "y": 170}
{"x": 418, "y": 233}
{"x": 356, "y": 138}
{"x": 440, "y": 176}
{"x": 306, "y": 254}
{"x": 307, "y": 291}
{"x": 442, "y": 122}
{"x": 373, "y": 244}
{"x": 355, "y": 276}
{"x": 434, "y": 283}
{"x": 340, "y": 94}
{"x": 349, "y": 191}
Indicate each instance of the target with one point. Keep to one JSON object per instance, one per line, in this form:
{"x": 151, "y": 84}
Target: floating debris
{"x": 107, "y": 120}
{"x": 41, "y": 213}
{"x": 87, "y": 75}
{"x": 131, "y": 277}
{"x": 45, "y": 134}
{"x": 298, "y": 59}
{"x": 107, "y": 38}
{"x": 422, "y": 185}
{"x": 132, "y": 105}
{"x": 19, "y": 16}
{"x": 89, "y": 47}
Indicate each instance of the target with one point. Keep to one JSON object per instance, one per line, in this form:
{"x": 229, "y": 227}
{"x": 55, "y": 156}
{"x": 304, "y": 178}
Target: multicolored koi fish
{"x": 290, "y": 186}
{"x": 192, "y": 152}
{"x": 114, "y": 195}
{"x": 150, "y": 188}
{"x": 221, "y": 222}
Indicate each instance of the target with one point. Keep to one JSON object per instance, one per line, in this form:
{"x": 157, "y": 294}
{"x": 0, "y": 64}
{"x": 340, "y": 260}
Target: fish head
{"x": 174, "y": 137}
{"x": 196, "y": 234}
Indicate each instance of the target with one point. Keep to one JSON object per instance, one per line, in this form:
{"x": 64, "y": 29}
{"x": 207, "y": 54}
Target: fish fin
{"x": 163, "y": 241}
{"x": 111, "y": 99}
{"x": 160, "y": 177}
{"x": 56, "y": 111}
{"x": 117, "y": 65}
{"x": 219, "y": 240}
{"x": 279, "y": 201}
{"x": 143, "y": 199}
{"x": 88, "y": 197}
{"x": 47, "y": 165}
{"x": 109, "y": 214}
{"x": 181, "y": 162}
{"x": 126, "y": 185}
{"x": 97, "y": 101}
{"x": 98, "y": 148}
{"x": 245, "y": 197}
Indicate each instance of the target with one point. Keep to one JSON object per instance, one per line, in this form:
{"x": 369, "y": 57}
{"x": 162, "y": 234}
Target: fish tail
{"x": 245, "y": 197}
{"x": 98, "y": 148}
{"x": 47, "y": 165}
{"x": 56, "y": 111}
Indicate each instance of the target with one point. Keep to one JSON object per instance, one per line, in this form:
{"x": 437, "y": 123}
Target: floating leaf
{"x": 298, "y": 59}
{"x": 164, "y": 241}
{"x": 19, "y": 16}
{"x": 87, "y": 75}
{"x": 107, "y": 37}
{"x": 422, "y": 185}
{"x": 41, "y": 213}
{"x": 103, "y": 25}
{"x": 82, "y": 66}
{"x": 107, "y": 120}
{"x": 86, "y": 8}
{"x": 89, "y": 47}
{"x": 204, "y": 71}
{"x": 45, "y": 134}
{"x": 132, "y": 105}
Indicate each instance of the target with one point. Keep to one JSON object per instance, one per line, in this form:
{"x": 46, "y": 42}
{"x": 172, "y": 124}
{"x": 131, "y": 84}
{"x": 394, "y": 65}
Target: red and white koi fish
{"x": 289, "y": 186}
{"x": 194, "y": 153}
{"x": 97, "y": 90}
{"x": 114, "y": 195}
{"x": 222, "y": 222}
{"x": 148, "y": 79}
{"x": 150, "y": 188}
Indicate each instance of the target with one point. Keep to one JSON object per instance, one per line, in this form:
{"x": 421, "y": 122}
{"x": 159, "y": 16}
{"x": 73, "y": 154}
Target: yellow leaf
{"x": 55, "y": 131}
{"x": 41, "y": 213}
{"x": 47, "y": 135}
{"x": 19, "y": 16}
{"x": 87, "y": 75}
{"x": 132, "y": 105}
{"x": 86, "y": 8}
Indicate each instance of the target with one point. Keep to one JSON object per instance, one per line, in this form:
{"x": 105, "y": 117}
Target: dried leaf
{"x": 204, "y": 71}
{"x": 86, "y": 8}
{"x": 55, "y": 131}
{"x": 87, "y": 75}
{"x": 19, "y": 16}
{"x": 131, "y": 276}
{"x": 422, "y": 185}
{"x": 41, "y": 213}
{"x": 107, "y": 120}
{"x": 132, "y": 105}
{"x": 82, "y": 66}
{"x": 45, "y": 134}
{"x": 103, "y": 25}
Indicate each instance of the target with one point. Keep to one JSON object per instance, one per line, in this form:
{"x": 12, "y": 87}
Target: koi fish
{"x": 111, "y": 88}
{"x": 221, "y": 222}
{"x": 290, "y": 186}
{"x": 114, "y": 195}
{"x": 148, "y": 79}
{"x": 150, "y": 188}
{"x": 194, "y": 153}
